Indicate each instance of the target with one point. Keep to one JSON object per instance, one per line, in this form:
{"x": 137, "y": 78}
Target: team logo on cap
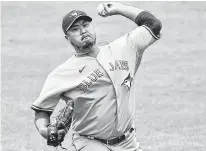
{"x": 74, "y": 14}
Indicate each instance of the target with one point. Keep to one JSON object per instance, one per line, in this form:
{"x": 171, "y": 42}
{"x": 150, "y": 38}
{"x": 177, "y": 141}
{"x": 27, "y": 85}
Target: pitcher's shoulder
{"x": 69, "y": 65}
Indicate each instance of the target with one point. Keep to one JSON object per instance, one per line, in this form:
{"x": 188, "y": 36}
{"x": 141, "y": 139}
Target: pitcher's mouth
{"x": 83, "y": 37}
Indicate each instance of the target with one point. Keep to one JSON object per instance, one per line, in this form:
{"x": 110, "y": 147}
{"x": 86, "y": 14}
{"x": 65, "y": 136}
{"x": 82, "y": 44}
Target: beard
{"x": 86, "y": 47}
{"x": 88, "y": 44}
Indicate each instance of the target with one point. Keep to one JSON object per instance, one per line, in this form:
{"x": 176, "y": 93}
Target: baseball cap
{"x": 71, "y": 17}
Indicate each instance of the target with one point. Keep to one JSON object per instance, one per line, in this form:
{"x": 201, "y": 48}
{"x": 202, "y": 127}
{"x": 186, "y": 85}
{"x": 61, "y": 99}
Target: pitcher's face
{"x": 81, "y": 34}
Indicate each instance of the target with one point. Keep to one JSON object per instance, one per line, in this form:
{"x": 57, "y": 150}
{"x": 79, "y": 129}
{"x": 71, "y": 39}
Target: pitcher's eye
{"x": 86, "y": 24}
{"x": 75, "y": 29}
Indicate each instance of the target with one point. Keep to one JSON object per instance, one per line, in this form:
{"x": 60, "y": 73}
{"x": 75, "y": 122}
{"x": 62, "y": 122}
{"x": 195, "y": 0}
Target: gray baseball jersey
{"x": 102, "y": 88}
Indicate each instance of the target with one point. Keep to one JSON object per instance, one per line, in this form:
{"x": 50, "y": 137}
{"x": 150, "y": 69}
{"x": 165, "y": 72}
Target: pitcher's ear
{"x": 66, "y": 37}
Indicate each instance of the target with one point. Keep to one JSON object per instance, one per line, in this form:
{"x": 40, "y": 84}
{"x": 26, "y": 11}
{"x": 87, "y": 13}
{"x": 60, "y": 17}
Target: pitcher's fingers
{"x": 106, "y": 8}
{"x": 61, "y": 135}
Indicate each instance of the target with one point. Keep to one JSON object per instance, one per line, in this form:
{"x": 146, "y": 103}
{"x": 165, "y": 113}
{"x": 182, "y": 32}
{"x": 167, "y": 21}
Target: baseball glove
{"x": 58, "y": 129}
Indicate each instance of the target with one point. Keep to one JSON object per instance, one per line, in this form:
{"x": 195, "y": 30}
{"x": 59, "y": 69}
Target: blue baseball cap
{"x": 71, "y": 17}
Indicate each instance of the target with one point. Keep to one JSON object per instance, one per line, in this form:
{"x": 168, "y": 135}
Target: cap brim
{"x": 84, "y": 17}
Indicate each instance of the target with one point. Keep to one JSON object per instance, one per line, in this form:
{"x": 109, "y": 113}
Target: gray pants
{"x": 81, "y": 143}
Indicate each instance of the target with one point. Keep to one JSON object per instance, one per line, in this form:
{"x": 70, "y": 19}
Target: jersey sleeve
{"x": 48, "y": 98}
{"x": 140, "y": 38}
{"x": 61, "y": 80}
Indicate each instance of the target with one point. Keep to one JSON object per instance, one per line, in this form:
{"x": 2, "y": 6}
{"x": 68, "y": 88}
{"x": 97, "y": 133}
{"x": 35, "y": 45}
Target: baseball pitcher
{"x": 97, "y": 83}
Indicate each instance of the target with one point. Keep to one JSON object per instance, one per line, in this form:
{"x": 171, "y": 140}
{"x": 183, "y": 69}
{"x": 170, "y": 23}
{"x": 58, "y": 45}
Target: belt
{"x": 113, "y": 141}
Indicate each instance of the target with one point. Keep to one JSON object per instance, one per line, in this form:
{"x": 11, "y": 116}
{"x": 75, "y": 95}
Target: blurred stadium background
{"x": 171, "y": 87}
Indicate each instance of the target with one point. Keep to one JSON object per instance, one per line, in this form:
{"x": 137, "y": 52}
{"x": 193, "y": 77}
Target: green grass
{"x": 171, "y": 81}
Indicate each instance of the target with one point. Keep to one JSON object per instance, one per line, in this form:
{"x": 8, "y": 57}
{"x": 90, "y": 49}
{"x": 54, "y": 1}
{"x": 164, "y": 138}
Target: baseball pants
{"x": 81, "y": 143}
